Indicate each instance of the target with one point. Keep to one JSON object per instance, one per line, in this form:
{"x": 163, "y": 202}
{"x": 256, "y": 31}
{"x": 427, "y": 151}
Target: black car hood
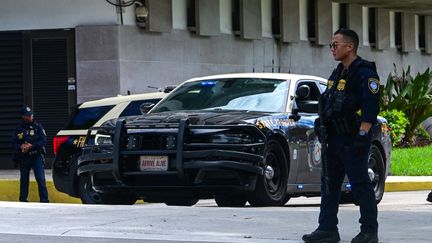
{"x": 195, "y": 117}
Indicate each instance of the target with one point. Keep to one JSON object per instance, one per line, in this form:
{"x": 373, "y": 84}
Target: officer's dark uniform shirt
{"x": 32, "y": 133}
{"x": 352, "y": 96}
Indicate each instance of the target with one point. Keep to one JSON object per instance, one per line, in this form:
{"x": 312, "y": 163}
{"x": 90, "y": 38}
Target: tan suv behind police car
{"x": 68, "y": 141}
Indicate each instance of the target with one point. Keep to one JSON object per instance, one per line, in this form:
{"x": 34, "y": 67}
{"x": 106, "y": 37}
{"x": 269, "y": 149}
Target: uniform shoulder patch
{"x": 373, "y": 85}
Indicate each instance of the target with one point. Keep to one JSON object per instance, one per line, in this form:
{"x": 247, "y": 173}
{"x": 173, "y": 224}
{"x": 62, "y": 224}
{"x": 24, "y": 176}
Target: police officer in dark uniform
{"x": 29, "y": 142}
{"x": 350, "y": 108}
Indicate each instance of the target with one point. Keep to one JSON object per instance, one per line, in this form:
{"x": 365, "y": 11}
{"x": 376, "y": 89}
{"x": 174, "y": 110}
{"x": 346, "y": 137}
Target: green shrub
{"x": 397, "y": 122}
{"x": 412, "y": 95}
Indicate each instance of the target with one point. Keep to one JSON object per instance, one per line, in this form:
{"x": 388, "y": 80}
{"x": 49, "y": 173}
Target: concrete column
{"x": 408, "y": 32}
{"x": 250, "y": 19}
{"x": 382, "y": 28}
{"x": 207, "y": 17}
{"x": 428, "y": 34}
{"x": 97, "y": 62}
{"x": 160, "y": 15}
{"x": 355, "y": 20}
{"x": 290, "y": 20}
{"x": 323, "y": 26}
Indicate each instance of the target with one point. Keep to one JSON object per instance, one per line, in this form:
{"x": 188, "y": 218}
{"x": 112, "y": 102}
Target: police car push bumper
{"x": 185, "y": 158}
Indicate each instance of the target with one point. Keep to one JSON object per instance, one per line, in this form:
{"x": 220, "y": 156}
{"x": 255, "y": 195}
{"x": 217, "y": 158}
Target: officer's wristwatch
{"x": 362, "y": 132}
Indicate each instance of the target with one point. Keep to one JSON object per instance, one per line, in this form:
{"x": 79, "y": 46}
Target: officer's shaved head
{"x": 349, "y": 36}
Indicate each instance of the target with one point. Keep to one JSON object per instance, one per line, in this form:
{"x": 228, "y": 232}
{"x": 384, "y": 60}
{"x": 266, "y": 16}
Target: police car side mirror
{"x": 302, "y": 92}
{"x": 146, "y": 107}
{"x": 303, "y": 104}
{"x": 308, "y": 106}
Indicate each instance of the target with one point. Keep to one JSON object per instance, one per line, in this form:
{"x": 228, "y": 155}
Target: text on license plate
{"x": 153, "y": 163}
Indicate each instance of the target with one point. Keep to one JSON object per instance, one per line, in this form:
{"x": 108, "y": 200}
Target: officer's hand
{"x": 23, "y": 148}
{"x": 361, "y": 145}
{"x": 26, "y": 147}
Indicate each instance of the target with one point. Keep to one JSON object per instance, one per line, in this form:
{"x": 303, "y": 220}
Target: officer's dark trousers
{"x": 37, "y": 164}
{"x": 344, "y": 158}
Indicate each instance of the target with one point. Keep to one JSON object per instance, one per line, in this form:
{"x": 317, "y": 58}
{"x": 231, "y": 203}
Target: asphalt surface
{"x": 403, "y": 217}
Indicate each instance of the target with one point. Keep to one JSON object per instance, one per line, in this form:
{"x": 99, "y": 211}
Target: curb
{"x": 9, "y": 189}
{"x": 408, "y": 186}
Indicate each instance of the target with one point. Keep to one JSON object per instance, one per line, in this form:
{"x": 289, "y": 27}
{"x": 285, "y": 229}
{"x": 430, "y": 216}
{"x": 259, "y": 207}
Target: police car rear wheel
{"x": 376, "y": 172}
{"x": 271, "y": 187}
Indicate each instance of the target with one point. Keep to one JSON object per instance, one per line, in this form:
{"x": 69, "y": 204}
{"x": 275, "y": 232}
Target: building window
{"x": 276, "y": 18}
{"x": 191, "y": 16}
{"x": 343, "y": 15}
{"x": 398, "y": 30}
{"x": 311, "y": 20}
{"x": 372, "y": 26}
{"x": 421, "y": 33}
{"x": 236, "y": 16}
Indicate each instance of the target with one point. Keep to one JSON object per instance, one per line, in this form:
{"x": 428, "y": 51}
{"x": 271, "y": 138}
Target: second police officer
{"x": 350, "y": 108}
{"x": 29, "y": 142}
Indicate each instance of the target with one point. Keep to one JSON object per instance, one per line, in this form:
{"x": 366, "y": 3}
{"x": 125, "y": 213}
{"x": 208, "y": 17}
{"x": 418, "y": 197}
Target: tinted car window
{"x": 86, "y": 117}
{"x": 133, "y": 109}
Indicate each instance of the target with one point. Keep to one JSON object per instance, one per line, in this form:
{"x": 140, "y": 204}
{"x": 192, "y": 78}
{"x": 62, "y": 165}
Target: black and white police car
{"x": 234, "y": 137}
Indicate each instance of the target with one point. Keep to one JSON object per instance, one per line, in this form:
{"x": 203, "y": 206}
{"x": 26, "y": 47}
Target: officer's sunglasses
{"x": 334, "y": 45}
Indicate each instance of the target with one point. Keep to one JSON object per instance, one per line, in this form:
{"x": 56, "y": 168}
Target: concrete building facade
{"x": 114, "y": 55}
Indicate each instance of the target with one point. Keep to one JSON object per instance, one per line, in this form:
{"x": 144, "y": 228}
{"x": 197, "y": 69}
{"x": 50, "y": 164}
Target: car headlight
{"x": 231, "y": 138}
{"x": 102, "y": 139}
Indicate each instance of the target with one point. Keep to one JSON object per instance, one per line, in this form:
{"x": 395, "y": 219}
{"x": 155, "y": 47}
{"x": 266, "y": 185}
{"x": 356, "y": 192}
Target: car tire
{"x": 272, "y": 192}
{"x": 234, "y": 201}
{"x": 377, "y": 171}
{"x": 89, "y": 196}
{"x": 285, "y": 200}
{"x": 187, "y": 202}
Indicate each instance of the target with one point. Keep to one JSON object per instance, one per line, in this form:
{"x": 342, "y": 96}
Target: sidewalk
{"x": 9, "y": 186}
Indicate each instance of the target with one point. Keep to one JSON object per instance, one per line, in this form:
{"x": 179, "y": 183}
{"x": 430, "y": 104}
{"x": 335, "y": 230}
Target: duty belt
{"x": 342, "y": 126}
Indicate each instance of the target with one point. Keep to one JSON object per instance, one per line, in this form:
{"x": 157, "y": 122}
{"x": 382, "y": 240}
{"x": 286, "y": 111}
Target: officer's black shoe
{"x": 429, "y": 198}
{"x": 365, "y": 238}
{"x": 320, "y": 236}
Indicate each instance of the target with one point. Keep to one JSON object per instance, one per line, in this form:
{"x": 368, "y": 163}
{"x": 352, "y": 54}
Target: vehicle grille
{"x": 151, "y": 142}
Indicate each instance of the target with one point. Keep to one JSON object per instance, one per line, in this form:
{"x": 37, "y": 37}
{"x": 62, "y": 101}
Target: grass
{"x": 416, "y": 161}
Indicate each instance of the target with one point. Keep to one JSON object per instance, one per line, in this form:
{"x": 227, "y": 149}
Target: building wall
{"x": 158, "y": 59}
{"x": 97, "y": 62}
{"x": 114, "y": 58}
{"x": 59, "y": 14}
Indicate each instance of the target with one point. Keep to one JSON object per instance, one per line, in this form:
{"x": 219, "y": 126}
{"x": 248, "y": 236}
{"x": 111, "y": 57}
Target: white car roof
{"x": 285, "y": 76}
{"x": 119, "y": 99}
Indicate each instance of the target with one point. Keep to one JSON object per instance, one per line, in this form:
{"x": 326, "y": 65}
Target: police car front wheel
{"x": 271, "y": 187}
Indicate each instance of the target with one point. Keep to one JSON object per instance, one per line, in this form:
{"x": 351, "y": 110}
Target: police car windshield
{"x": 252, "y": 94}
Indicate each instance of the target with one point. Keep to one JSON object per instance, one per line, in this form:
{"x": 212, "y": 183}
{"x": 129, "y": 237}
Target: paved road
{"x": 403, "y": 217}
